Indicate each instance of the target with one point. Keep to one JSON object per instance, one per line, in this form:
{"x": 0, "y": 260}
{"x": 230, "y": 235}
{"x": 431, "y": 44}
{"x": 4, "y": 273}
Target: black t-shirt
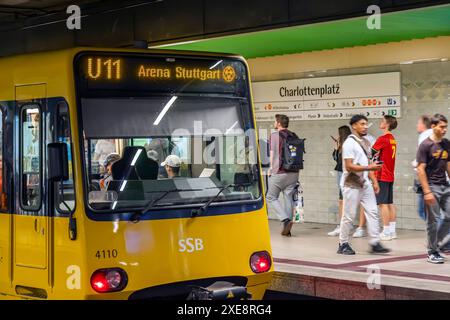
{"x": 337, "y": 156}
{"x": 429, "y": 152}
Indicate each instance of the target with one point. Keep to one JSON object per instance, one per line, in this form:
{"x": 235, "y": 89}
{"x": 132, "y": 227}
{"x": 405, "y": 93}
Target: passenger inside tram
{"x": 204, "y": 143}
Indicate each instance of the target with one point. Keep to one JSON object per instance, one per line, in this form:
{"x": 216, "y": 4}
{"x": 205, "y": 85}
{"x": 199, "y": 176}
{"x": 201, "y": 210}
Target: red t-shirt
{"x": 386, "y": 146}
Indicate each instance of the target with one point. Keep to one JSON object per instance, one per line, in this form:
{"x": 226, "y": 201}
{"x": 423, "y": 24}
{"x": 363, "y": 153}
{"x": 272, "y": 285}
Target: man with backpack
{"x": 286, "y": 160}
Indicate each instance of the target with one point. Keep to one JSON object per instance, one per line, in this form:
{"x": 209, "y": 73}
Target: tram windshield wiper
{"x": 152, "y": 203}
{"x": 204, "y": 208}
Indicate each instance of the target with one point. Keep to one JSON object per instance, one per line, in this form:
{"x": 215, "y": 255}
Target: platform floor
{"x": 307, "y": 263}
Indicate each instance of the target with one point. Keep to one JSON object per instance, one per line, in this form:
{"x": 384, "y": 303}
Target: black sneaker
{"x": 435, "y": 258}
{"x": 287, "y": 225}
{"x": 378, "y": 248}
{"x": 345, "y": 249}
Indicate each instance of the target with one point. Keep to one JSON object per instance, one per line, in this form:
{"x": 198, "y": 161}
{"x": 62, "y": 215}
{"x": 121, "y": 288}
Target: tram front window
{"x": 127, "y": 141}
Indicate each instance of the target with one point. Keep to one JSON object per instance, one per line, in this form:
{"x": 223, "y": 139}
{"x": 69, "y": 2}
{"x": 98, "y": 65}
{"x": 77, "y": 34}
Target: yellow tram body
{"x": 38, "y": 258}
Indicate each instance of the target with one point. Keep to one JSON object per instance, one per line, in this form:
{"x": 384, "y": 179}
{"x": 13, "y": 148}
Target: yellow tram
{"x": 91, "y": 205}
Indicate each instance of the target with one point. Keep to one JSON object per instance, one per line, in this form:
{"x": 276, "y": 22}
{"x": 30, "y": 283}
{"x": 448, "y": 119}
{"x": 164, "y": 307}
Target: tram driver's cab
{"x": 215, "y": 151}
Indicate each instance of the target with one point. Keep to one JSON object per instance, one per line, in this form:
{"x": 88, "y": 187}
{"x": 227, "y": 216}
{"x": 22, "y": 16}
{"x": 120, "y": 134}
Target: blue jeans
{"x": 421, "y": 207}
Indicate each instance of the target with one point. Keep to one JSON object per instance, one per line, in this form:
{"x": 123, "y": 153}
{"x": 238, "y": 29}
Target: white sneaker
{"x": 385, "y": 237}
{"x": 394, "y": 235}
{"x": 335, "y": 232}
{"x": 359, "y": 233}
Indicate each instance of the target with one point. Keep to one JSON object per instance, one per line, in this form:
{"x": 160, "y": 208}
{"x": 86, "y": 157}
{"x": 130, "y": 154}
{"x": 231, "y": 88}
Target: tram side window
{"x": 3, "y": 197}
{"x": 66, "y": 204}
{"x": 31, "y": 157}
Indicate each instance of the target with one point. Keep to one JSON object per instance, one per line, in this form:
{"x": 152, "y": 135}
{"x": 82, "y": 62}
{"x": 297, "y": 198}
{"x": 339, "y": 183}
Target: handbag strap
{"x": 362, "y": 147}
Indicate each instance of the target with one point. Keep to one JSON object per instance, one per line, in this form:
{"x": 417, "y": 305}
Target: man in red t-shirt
{"x": 385, "y": 150}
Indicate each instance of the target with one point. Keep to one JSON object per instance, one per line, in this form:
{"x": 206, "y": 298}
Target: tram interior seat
{"x": 144, "y": 168}
{"x": 242, "y": 180}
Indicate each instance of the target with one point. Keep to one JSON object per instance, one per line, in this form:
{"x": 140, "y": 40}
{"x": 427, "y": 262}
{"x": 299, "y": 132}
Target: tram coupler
{"x": 220, "y": 291}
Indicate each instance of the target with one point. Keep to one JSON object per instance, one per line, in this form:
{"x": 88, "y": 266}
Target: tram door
{"x": 30, "y": 224}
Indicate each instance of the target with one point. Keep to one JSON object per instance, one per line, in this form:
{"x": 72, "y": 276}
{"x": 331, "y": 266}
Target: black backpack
{"x": 292, "y": 151}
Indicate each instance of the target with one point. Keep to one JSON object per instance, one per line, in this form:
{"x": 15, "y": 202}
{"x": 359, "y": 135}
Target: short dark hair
{"x": 426, "y": 119}
{"x": 391, "y": 121}
{"x": 438, "y": 118}
{"x": 282, "y": 119}
{"x": 356, "y": 118}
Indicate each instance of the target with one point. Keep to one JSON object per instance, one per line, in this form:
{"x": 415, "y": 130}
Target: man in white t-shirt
{"x": 360, "y": 231}
{"x": 357, "y": 187}
{"x": 103, "y": 148}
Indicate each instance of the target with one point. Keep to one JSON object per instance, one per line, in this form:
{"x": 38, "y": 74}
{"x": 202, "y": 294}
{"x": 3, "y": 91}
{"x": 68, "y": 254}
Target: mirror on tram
{"x": 58, "y": 163}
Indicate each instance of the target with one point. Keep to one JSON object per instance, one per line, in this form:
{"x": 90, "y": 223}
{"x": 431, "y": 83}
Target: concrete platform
{"x": 307, "y": 264}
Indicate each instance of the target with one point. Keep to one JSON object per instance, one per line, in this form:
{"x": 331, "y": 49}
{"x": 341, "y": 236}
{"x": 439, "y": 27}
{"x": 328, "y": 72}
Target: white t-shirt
{"x": 352, "y": 150}
{"x": 424, "y": 135}
{"x": 370, "y": 138}
{"x": 104, "y": 148}
{"x": 421, "y": 139}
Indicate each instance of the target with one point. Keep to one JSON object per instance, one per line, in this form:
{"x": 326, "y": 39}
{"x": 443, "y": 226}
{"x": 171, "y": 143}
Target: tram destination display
{"x": 159, "y": 74}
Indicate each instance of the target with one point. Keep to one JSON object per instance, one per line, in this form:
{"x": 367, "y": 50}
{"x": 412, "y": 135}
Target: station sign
{"x": 328, "y": 98}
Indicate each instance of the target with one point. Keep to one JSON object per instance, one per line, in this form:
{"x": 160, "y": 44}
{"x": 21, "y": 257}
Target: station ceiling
{"x": 252, "y": 28}
{"x": 396, "y": 26}
{"x": 14, "y": 10}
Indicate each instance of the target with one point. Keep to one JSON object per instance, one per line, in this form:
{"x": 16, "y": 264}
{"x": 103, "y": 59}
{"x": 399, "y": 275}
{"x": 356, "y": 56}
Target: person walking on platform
{"x": 424, "y": 129}
{"x": 360, "y": 231}
{"x": 282, "y": 177}
{"x": 385, "y": 151}
{"x": 357, "y": 188}
{"x": 433, "y": 164}
{"x": 344, "y": 132}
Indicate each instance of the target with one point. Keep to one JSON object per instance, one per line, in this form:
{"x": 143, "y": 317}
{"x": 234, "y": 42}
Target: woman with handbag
{"x": 343, "y": 132}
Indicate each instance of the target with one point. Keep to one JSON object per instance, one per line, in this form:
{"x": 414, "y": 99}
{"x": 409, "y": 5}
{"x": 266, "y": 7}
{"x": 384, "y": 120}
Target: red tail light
{"x": 260, "y": 262}
{"x": 109, "y": 280}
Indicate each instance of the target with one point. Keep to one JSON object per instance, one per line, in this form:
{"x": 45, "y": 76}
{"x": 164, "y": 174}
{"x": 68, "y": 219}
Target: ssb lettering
{"x": 190, "y": 245}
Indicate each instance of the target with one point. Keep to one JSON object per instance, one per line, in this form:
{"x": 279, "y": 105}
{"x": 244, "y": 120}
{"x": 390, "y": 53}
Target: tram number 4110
{"x": 106, "y": 254}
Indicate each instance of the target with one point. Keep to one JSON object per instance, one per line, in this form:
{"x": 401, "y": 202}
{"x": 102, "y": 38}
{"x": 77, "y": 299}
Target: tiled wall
{"x": 425, "y": 90}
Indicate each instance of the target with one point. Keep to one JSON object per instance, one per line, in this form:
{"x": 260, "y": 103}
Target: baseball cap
{"x": 172, "y": 161}
{"x": 112, "y": 157}
{"x": 152, "y": 154}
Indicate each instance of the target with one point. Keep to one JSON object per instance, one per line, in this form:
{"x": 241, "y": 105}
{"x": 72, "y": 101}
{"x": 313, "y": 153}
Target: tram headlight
{"x": 109, "y": 280}
{"x": 260, "y": 262}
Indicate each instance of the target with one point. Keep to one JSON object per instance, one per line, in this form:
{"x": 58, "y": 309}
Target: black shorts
{"x": 386, "y": 194}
